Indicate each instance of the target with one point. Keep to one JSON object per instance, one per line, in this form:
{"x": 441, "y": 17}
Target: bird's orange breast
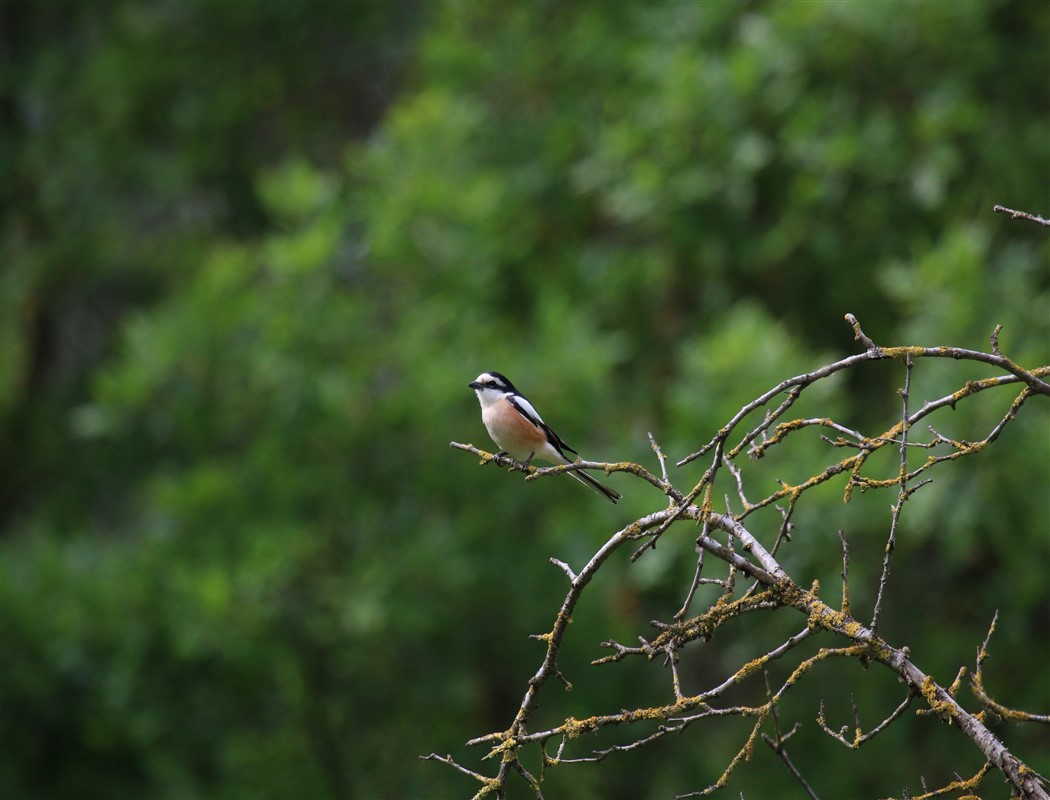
{"x": 513, "y": 432}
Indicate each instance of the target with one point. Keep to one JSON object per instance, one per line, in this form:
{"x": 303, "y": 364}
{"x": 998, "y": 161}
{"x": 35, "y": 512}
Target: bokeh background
{"x": 252, "y": 252}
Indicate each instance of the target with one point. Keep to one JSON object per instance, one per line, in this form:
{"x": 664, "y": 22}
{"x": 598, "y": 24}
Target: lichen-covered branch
{"x": 754, "y": 582}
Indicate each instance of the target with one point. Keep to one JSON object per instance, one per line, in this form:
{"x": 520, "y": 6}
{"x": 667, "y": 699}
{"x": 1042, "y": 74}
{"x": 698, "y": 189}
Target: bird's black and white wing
{"x": 527, "y": 410}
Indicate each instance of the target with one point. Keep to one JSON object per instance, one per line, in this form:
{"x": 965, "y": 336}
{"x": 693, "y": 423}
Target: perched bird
{"x": 519, "y": 430}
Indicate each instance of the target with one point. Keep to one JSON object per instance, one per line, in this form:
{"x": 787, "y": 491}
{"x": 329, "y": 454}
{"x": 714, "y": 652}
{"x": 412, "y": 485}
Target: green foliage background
{"x": 253, "y": 252}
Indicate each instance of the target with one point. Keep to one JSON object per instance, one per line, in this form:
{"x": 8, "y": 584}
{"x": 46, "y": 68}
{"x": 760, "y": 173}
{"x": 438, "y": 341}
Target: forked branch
{"x": 753, "y": 581}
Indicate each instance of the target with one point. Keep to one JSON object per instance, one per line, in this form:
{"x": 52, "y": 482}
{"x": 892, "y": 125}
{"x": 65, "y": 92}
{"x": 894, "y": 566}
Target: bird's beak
{"x": 474, "y": 385}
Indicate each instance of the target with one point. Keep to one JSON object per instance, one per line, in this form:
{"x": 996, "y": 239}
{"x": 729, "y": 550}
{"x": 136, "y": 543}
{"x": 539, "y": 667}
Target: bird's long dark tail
{"x": 600, "y": 488}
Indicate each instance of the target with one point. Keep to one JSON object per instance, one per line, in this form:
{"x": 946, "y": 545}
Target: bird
{"x": 518, "y": 429}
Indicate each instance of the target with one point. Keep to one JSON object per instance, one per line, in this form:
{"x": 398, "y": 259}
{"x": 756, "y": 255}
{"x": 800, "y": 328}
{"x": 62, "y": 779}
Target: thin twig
{"x": 1021, "y": 215}
{"x": 447, "y": 759}
{"x": 859, "y": 737}
{"x": 891, "y": 541}
{"x": 777, "y": 742}
{"x": 693, "y": 586}
{"x": 978, "y": 690}
{"x": 660, "y": 457}
{"x": 845, "y": 573}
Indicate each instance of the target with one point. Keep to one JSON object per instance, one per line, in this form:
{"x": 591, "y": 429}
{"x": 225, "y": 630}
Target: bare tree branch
{"x": 730, "y": 541}
{"x": 1021, "y": 215}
